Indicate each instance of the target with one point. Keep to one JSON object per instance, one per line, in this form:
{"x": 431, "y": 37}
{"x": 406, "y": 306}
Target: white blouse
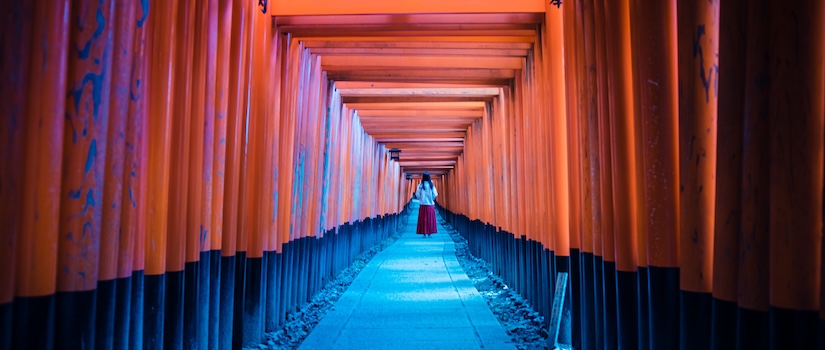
{"x": 426, "y": 196}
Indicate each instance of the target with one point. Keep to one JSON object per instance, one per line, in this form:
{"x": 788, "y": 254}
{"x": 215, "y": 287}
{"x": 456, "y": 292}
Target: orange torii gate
{"x": 187, "y": 173}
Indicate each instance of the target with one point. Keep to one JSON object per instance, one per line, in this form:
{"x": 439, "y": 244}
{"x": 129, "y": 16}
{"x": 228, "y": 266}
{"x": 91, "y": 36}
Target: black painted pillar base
{"x": 627, "y": 294}
{"x": 723, "y": 325}
{"x": 240, "y": 296}
{"x": 34, "y": 322}
{"x": 285, "y": 269}
{"x": 154, "y": 310}
{"x": 642, "y": 304}
{"x": 227, "y": 302}
{"x": 821, "y": 334}
{"x": 105, "y": 314}
{"x": 136, "y": 330}
{"x": 191, "y": 304}
{"x": 174, "y": 301}
{"x": 214, "y": 299}
{"x": 695, "y": 322}
{"x": 598, "y": 302}
{"x": 611, "y": 340}
{"x": 663, "y": 307}
{"x": 204, "y": 301}
{"x": 123, "y": 313}
{"x": 574, "y": 287}
{"x": 75, "y": 320}
{"x": 253, "y": 306}
{"x": 588, "y": 328}
{"x": 271, "y": 323}
{"x": 793, "y": 329}
{"x": 6, "y": 325}
{"x": 753, "y": 329}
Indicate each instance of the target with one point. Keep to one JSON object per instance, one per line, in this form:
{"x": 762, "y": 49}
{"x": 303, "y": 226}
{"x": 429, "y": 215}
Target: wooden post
{"x": 16, "y": 34}
{"x": 84, "y": 168}
{"x": 796, "y": 113}
{"x": 698, "y": 25}
{"x": 107, "y": 293}
{"x": 43, "y": 123}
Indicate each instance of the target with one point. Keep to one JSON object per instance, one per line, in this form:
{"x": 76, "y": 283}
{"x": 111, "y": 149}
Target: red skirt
{"x": 426, "y": 220}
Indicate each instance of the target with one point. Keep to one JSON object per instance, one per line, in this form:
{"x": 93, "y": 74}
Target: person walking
{"x": 426, "y": 194}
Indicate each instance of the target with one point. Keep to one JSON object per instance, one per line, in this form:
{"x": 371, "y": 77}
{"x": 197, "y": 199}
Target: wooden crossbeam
{"x": 419, "y": 52}
{"x": 365, "y": 7}
{"x": 420, "y": 98}
{"x": 417, "y": 106}
{"x": 371, "y": 62}
{"x": 313, "y": 43}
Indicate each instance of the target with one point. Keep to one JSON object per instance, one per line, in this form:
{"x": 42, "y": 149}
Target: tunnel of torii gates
{"x": 185, "y": 174}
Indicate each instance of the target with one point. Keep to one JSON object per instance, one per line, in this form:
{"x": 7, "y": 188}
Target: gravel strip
{"x": 524, "y": 325}
{"x": 300, "y": 324}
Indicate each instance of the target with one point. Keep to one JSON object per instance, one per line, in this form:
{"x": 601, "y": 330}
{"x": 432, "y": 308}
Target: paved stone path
{"x": 412, "y": 295}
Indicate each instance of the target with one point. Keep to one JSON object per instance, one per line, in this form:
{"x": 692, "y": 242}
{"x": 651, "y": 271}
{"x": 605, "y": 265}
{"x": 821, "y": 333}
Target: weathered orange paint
{"x": 133, "y": 222}
{"x": 412, "y": 18}
{"x": 433, "y": 91}
{"x": 501, "y": 144}
{"x": 641, "y": 211}
{"x": 586, "y": 111}
{"x": 522, "y": 31}
{"x": 698, "y": 72}
{"x": 333, "y": 212}
{"x": 15, "y": 39}
{"x": 727, "y": 223}
{"x": 327, "y": 7}
{"x": 179, "y": 176}
{"x": 245, "y": 150}
{"x": 207, "y": 231}
{"x": 622, "y": 129}
{"x": 375, "y": 85}
{"x": 370, "y": 62}
{"x": 418, "y": 52}
{"x": 511, "y": 211}
{"x": 387, "y": 47}
{"x": 162, "y": 53}
{"x": 260, "y": 138}
{"x": 234, "y": 126}
{"x": 43, "y": 123}
{"x": 592, "y": 108}
{"x": 273, "y": 140}
{"x": 446, "y": 75}
{"x": 605, "y": 139}
{"x": 753, "y": 286}
{"x": 270, "y": 170}
{"x": 291, "y": 61}
{"x": 85, "y": 147}
{"x": 522, "y": 167}
{"x": 200, "y": 147}
{"x": 655, "y": 48}
{"x": 489, "y": 166}
{"x": 797, "y": 148}
{"x": 319, "y": 94}
{"x": 113, "y": 190}
{"x": 573, "y": 63}
{"x": 222, "y": 75}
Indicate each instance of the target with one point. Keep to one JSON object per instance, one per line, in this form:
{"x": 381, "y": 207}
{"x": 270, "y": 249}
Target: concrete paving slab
{"x": 465, "y": 334}
{"x": 412, "y": 295}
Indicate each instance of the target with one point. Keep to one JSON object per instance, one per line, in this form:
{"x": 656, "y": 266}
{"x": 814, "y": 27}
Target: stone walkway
{"x": 412, "y": 295}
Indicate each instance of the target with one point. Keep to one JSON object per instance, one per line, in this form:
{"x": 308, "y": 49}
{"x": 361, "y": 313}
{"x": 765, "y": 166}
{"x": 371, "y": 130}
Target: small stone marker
{"x": 556, "y": 311}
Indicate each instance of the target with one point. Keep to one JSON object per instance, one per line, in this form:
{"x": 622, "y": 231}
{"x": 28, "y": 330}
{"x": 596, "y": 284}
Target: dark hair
{"x": 425, "y": 179}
